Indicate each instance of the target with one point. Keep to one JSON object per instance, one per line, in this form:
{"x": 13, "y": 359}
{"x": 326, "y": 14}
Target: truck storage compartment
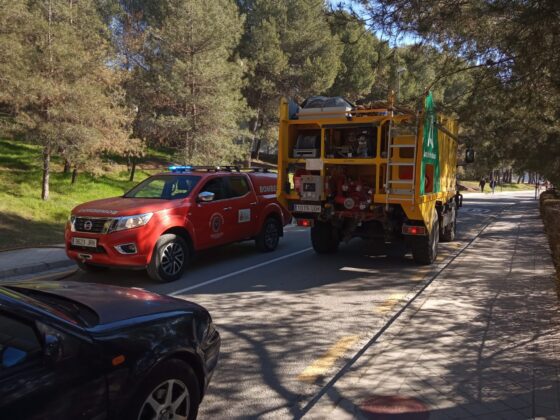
{"x": 304, "y": 141}
{"x": 350, "y": 187}
{"x": 350, "y": 141}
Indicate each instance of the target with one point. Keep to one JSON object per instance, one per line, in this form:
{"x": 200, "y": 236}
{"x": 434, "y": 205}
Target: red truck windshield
{"x": 167, "y": 187}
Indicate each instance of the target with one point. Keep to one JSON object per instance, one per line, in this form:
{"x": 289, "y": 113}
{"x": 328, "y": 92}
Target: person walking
{"x": 493, "y": 185}
{"x": 482, "y": 183}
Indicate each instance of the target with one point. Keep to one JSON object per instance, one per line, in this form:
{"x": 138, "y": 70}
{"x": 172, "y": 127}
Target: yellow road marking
{"x": 388, "y": 304}
{"x": 455, "y": 245}
{"x": 420, "y": 274}
{"x": 326, "y": 361}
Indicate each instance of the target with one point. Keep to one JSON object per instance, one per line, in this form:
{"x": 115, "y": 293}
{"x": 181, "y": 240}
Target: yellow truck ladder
{"x": 392, "y": 162}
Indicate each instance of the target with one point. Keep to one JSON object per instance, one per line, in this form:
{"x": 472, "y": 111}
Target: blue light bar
{"x": 178, "y": 169}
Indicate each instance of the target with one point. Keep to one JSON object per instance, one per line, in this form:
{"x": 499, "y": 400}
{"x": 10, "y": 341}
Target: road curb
{"x": 19, "y": 248}
{"x": 35, "y": 268}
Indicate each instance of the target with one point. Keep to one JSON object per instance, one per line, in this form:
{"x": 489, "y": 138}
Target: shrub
{"x": 550, "y": 212}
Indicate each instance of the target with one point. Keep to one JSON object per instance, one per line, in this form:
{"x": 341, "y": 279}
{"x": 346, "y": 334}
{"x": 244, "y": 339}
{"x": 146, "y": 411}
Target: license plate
{"x": 307, "y": 208}
{"x": 89, "y": 242}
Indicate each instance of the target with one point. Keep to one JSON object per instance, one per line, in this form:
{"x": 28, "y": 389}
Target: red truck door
{"x": 244, "y": 206}
{"x": 214, "y": 222}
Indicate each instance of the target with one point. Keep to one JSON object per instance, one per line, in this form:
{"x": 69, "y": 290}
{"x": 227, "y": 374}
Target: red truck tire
{"x": 169, "y": 259}
{"x": 269, "y": 236}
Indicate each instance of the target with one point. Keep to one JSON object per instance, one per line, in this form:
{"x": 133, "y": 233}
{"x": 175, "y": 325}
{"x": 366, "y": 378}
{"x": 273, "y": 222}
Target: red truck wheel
{"x": 170, "y": 258}
{"x": 269, "y": 236}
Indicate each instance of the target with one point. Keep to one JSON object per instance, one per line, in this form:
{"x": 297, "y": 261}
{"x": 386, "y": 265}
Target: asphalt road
{"x": 290, "y": 320}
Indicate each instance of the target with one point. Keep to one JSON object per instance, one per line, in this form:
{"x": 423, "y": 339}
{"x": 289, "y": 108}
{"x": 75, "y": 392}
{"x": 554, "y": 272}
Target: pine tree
{"x": 359, "y": 62}
{"x": 290, "y": 51}
{"x": 188, "y": 91}
{"x": 14, "y": 21}
{"x": 69, "y": 94}
{"x": 511, "y": 50}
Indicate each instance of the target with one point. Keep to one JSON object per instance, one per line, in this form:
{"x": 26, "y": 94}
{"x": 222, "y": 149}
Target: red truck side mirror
{"x": 206, "y": 196}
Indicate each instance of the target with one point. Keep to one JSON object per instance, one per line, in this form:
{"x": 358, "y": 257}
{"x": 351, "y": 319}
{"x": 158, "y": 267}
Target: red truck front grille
{"x": 91, "y": 225}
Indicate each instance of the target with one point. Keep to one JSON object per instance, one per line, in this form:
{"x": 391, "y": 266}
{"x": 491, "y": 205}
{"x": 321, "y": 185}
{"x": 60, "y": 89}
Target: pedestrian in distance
{"x": 482, "y": 183}
{"x": 537, "y": 188}
{"x": 493, "y": 185}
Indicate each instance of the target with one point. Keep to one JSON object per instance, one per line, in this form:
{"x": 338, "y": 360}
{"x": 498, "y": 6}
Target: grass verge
{"x": 502, "y": 187}
{"x": 25, "y": 219}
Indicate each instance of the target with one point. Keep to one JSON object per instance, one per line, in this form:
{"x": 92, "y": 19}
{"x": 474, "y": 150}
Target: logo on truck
{"x": 216, "y": 223}
{"x": 430, "y": 149}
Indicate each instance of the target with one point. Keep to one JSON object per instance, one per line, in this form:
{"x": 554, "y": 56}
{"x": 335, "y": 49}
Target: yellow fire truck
{"x": 381, "y": 173}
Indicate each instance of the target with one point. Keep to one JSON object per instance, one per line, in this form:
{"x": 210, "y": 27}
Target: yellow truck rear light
{"x": 413, "y": 230}
{"x": 305, "y": 222}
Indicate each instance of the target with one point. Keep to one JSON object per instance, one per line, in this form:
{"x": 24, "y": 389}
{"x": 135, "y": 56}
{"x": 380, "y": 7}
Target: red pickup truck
{"x": 159, "y": 224}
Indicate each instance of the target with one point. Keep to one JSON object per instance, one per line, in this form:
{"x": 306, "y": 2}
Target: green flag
{"x": 430, "y": 148}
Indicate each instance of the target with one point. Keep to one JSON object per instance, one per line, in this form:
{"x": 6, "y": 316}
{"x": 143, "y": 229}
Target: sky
{"x": 403, "y": 39}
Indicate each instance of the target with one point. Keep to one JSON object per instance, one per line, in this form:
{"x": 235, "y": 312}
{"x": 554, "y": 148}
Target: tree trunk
{"x": 187, "y": 150}
{"x": 67, "y": 166}
{"x": 47, "y": 147}
{"x": 258, "y": 148}
{"x": 46, "y": 172}
{"x": 74, "y": 175}
{"x": 255, "y": 143}
{"x": 132, "y": 169}
{"x": 193, "y": 86}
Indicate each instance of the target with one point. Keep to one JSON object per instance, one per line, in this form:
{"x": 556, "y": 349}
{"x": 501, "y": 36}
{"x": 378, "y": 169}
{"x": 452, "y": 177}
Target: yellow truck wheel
{"x": 448, "y": 232}
{"x": 425, "y": 248}
{"x": 324, "y": 238}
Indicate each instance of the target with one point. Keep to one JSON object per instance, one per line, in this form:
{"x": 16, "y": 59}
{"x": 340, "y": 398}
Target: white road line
{"x": 235, "y": 273}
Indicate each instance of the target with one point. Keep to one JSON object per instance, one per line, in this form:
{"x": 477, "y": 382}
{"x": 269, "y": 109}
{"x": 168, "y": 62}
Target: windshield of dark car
{"x": 60, "y": 306}
{"x": 167, "y": 187}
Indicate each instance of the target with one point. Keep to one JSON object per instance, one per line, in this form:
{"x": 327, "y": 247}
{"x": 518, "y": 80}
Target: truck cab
{"x": 159, "y": 224}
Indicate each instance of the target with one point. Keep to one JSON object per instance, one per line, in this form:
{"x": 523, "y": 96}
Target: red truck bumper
{"x": 106, "y": 252}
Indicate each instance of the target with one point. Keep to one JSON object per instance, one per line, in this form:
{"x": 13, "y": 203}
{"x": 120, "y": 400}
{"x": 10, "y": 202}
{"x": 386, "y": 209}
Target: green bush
{"x": 550, "y": 212}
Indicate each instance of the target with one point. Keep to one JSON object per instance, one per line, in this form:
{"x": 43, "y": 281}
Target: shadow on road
{"x": 485, "y": 343}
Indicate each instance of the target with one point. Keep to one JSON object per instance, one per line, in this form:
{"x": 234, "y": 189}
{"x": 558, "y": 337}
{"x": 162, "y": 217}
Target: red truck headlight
{"x": 130, "y": 222}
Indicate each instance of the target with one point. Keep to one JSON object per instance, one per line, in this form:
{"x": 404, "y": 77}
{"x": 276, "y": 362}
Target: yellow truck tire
{"x": 448, "y": 232}
{"x": 324, "y": 238}
{"x": 425, "y": 248}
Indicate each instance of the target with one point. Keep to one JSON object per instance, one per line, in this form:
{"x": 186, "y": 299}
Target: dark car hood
{"x": 111, "y": 303}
